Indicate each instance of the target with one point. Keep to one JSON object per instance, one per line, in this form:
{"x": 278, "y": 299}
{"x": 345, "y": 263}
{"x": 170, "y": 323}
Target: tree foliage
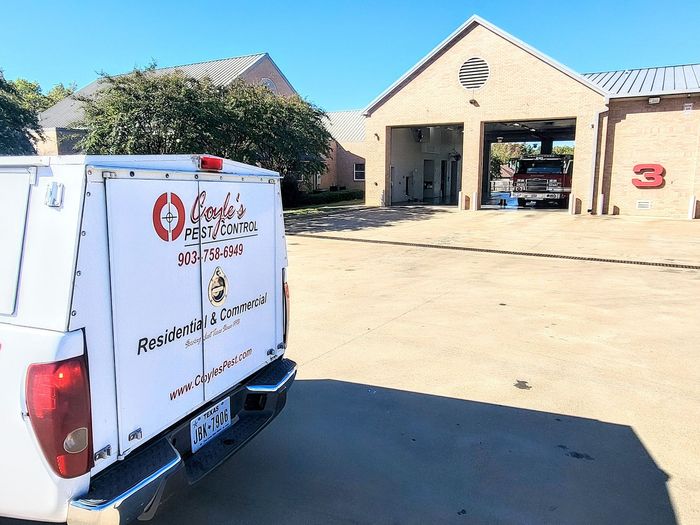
{"x": 146, "y": 112}
{"x": 17, "y": 122}
{"x": 34, "y": 99}
{"x": 503, "y": 152}
{"x": 563, "y": 150}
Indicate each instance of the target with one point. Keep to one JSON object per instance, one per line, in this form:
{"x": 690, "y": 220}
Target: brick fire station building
{"x": 427, "y": 137}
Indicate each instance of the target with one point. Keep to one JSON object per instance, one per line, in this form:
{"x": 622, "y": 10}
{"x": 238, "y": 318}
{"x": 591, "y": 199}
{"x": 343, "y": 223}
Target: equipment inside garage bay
{"x": 534, "y": 176}
{"x": 542, "y": 179}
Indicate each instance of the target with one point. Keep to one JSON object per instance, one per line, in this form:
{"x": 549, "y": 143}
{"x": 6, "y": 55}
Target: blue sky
{"x": 338, "y": 54}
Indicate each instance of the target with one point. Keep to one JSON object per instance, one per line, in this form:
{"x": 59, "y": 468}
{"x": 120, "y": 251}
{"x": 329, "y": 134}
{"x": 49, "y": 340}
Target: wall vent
{"x": 269, "y": 84}
{"x": 474, "y": 73}
{"x": 643, "y": 205}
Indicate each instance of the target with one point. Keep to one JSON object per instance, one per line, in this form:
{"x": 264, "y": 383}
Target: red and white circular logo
{"x": 168, "y": 216}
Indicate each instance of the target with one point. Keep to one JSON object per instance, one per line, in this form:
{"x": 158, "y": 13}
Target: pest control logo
{"x": 168, "y": 216}
{"x": 218, "y": 287}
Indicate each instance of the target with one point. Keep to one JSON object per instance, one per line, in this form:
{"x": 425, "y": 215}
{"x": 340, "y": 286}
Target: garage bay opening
{"x": 426, "y": 164}
{"x": 528, "y": 164}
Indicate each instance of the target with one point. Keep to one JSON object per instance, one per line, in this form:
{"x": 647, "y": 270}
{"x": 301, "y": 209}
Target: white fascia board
{"x": 659, "y": 93}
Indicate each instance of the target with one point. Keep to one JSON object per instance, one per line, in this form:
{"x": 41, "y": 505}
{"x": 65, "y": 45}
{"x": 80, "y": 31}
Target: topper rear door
{"x": 239, "y": 288}
{"x": 156, "y": 302}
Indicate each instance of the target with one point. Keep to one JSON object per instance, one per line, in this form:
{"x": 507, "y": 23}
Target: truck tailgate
{"x": 194, "y": 293}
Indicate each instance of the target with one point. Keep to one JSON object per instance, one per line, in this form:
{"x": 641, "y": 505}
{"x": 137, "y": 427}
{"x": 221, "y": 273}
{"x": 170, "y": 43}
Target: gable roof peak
{"x": 472, "y": 21}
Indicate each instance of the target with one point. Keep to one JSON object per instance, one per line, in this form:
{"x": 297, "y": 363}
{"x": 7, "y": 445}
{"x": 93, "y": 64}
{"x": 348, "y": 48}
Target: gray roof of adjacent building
{"x": 66, "y": 112}
{"x": 648, "y": 81}
{"x": 346, "y": 126}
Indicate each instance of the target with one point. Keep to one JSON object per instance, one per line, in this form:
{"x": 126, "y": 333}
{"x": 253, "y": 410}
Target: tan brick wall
{"x": 520, "y": 87}
{"x": 341, "y": 165}
{"x": 48, "y": 145}
{"x": 59, "y": 141}
{"x": 643, "y": 133}
{"x": 330, "y": 177}
{"x": 265, "y": 68}
{"x": 349, "y": 154}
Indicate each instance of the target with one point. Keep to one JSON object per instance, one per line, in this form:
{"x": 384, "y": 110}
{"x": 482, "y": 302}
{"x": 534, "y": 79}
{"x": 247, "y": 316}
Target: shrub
{"x": 290, "y": 191}
{"x": 327, "y": 197}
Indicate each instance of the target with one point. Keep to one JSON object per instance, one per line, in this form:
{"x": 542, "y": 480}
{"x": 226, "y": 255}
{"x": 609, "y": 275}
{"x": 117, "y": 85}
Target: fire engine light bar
{"x": 211, "y": 163}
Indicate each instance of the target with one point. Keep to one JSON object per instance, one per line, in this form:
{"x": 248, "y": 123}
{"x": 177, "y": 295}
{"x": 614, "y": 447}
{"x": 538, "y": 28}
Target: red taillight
{"x": 58, "y": 401}
{"x": 211, "y": 163}
{"x": 285, "y": 291}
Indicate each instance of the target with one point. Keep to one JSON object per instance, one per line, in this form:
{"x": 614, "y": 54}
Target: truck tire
{"x": 521, "y": 203}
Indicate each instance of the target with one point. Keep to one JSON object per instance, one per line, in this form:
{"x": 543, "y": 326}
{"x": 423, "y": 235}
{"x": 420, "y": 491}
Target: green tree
{"x": 33, "y": 98}
{"x": 563, "y": 150}
{"x": 17, "y": 122}
{"x": 29, "y": 94}
{"x": 503, "y": 152}
{"x": 285, "y": 134}
{"x": 59, "y": 92}
{"x": 150, "y": 113}
{"x": 144, "y": 113}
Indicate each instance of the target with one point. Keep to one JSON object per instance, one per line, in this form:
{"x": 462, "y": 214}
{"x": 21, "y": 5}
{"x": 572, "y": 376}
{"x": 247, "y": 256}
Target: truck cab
{"x": 542, "y": 179}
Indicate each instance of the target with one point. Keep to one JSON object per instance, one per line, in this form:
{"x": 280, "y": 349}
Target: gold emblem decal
{"x": 218, "y": 287}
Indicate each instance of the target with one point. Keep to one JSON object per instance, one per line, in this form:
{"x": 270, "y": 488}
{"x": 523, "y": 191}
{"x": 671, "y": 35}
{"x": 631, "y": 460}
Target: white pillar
{"x": 692, "y": 204}
{"x": 601, "y": 198}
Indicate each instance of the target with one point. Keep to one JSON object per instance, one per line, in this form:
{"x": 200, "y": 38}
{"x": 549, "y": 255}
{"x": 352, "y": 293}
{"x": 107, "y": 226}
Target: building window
{"x": 360, "y": 171}
{"x": 269, "y": 84}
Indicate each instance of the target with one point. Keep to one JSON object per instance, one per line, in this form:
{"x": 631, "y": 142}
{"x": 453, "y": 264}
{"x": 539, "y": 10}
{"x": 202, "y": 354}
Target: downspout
{"x": 692, "y": 204}
{"x": 594, "y": 156}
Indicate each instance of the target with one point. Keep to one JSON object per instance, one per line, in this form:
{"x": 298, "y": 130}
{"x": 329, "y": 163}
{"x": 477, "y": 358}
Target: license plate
{"x": 207, "y": 425}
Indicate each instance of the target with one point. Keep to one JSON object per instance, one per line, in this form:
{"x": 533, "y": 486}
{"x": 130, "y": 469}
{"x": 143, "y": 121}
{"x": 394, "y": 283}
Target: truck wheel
{"x": 564, "y": 203}
{"x": 521, "y": 203}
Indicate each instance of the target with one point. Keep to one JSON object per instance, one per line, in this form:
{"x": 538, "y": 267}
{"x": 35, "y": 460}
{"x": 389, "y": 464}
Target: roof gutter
{"x": 666, "y": 94}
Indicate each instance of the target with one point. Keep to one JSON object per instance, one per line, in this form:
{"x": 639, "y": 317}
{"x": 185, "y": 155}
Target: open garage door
{"x": 426, "y": 164}
{"x": 528, "y": 164}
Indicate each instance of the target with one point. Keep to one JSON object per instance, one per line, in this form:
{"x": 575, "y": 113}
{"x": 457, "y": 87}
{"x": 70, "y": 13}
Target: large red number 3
{"x": 653, "y": 175}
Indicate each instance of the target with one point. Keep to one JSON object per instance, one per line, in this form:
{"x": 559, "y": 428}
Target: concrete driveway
{"x": 438, "y": 385}
{"x": 446, "y": 386}
{"x": 529, "y": 231}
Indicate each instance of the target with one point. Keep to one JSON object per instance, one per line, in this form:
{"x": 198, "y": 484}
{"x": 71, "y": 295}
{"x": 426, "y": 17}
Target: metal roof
{"x": 346, "y": 126}
{"x": 648, "y": 81}
{"x": 66, "y": 112}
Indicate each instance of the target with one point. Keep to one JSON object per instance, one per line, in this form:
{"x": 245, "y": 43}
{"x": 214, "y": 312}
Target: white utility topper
{"x": 143, "y": 322}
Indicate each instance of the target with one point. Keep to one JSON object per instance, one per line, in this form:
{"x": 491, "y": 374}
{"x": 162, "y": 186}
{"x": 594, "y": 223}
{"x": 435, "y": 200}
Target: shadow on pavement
{"x": 352, "y": 453}
{"x": 359, "y": 219}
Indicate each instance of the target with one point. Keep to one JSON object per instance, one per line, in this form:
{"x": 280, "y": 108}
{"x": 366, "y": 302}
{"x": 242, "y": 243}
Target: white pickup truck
{"x": 143, "y": 321}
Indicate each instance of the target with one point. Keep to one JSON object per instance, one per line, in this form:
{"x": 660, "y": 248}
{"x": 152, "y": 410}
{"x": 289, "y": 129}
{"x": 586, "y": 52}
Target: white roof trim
{"x": 657, "y": 93}
{"x": 477, "y": 20}
{"x": 253, "y": 63}
{"x": 289, "y": 84}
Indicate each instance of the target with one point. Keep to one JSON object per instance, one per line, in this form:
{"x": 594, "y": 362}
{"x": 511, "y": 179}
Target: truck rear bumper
{"x": 135, "y": 487}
